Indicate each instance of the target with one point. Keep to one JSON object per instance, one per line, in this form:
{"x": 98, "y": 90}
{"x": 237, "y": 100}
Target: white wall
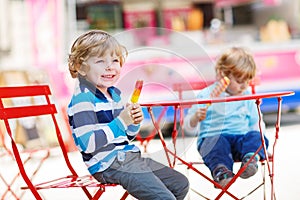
{"x": 17, "y": 36}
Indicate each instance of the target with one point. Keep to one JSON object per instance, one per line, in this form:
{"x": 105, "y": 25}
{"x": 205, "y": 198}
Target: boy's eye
{"x": 242, "y": 81}
{"x": 239, "y": 80}
{"x": 99, "y": 61}
{"x": 116, "y": 60}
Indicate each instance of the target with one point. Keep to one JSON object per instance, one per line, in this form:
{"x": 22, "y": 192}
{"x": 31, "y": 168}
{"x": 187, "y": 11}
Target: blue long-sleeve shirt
{"x": 237, "y": 117}
{"x": 98, "y": 131}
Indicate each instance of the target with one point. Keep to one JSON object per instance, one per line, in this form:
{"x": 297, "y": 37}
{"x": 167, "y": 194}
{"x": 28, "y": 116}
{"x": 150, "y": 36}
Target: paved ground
{"x": 286, "y": 181}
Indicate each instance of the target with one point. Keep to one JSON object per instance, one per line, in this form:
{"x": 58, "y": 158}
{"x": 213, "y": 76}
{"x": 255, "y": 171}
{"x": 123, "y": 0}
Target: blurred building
{"x": 35, "y": 35}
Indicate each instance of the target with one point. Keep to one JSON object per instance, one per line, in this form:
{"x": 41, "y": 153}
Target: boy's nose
{"x": 109, "y": 65}
{"x": 243, "y": 86}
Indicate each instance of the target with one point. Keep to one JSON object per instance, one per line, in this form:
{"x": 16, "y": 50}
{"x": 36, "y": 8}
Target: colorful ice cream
{"x": 137, "y": 91}
{"x": 220, "y": 87}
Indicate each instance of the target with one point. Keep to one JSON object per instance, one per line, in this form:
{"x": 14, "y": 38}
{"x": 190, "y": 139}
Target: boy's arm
{"x": 191, "y": 130}
{"x": 132, "y": 116}
{"x": 196, "y": 114}
{"x": 89, "y": 133}
{"x": 132, "y": 131}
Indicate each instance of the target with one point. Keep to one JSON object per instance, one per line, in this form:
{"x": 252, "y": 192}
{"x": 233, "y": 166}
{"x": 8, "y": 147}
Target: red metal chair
{"x": 46, "y": 108}
{"x": 11, "y": 181}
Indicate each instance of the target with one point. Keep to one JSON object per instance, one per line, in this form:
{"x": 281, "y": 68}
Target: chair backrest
{"x": 184, "y": 86}
{"x": 22, "y": 111}
{"x": 198, "y": 85}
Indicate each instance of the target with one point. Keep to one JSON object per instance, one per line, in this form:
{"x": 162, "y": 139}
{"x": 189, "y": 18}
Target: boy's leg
{"x": 136, "y": 176}
{"x": 216, "y": 150}
{"x": 246, "y": 148}
{"x": 250, "y": 142}
{"x": 216, "y": 153}
{"x": 176, "y": 182}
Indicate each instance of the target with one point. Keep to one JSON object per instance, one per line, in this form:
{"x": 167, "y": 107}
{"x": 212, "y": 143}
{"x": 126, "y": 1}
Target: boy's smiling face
{"x": 103, "y": 71}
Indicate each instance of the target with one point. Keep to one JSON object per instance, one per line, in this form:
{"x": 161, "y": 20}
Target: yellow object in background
{"x": 178, "y": 23}
{"x": 137, "y": 91}
{"x": 195, "y": 20}
{"x": 275, "y": 31}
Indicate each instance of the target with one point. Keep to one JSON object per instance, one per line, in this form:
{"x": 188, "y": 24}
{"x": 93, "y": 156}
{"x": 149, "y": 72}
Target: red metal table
{"x": 183, "y": 103}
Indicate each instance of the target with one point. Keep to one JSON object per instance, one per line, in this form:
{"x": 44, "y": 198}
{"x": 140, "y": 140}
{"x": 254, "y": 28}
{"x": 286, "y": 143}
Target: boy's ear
{"x": 83, "y": 69}
{"x": 81, "y": 72}
{"x": 219, "y": 74}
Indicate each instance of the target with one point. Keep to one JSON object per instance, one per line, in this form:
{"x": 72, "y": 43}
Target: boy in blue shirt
{"x": 228, "y": 131}
{"x": 103, "y": 127}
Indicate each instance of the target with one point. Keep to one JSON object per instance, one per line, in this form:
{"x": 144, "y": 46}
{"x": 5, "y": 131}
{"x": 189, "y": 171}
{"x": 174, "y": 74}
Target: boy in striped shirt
{"x": 103, "y": 127}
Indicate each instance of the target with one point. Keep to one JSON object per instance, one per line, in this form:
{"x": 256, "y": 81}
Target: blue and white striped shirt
{"x": 98, "y": 131}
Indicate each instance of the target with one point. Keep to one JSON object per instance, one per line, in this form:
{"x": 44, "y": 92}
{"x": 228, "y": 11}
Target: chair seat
{"x": 71, "y": 181}
{"x": 22, "y": 156}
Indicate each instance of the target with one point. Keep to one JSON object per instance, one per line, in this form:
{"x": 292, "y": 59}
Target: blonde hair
{"x": 93, "y": 43}
{"x": 237, "y": 62}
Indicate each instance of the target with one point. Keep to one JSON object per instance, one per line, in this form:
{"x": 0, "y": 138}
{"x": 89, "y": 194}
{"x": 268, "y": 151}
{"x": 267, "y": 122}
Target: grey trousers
{"x": 144, "y": 178}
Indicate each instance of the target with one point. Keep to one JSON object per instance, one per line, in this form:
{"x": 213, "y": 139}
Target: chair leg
{"x": 125, "y": 195}
{"x": 102, "y": 190}
{"x": 99, "y": 193}
{"x": 264, "y": 178}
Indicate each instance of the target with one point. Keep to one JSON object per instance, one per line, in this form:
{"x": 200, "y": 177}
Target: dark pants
{"x": 224, "y": 149}
{"x": 145, "y": 179}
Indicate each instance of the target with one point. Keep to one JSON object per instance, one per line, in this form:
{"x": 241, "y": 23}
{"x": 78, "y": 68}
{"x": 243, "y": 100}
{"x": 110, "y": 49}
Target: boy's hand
{"x": 132, "y": 114}
{"x": 137, "y": 114}
{"x": 199, "y": 115}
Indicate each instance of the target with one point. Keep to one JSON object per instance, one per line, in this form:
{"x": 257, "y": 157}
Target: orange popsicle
{"x": 220, "y": 87}
{"x": 137, "y": 91}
